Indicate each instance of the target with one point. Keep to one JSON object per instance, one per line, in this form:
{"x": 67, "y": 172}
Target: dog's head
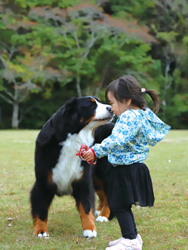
{"x": 73, "y": 117}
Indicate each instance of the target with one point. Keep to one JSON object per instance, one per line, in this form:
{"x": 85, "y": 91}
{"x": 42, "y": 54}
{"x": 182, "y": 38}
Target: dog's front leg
{"x": 88, "y": 222}
{"x": 41, "y": 199}
{"x": 41, "y": 229}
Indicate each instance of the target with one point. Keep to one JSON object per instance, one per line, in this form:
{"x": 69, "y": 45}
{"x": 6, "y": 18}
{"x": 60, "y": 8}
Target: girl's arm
{"x": 124, "y": 131}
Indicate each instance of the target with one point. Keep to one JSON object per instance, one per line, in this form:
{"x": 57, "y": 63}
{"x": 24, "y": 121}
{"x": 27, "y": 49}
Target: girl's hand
{"x": 89, "y": 156}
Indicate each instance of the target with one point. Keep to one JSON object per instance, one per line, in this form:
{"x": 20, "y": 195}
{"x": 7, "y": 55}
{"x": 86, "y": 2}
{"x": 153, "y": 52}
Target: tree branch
{"x": 3, "y": 61}
{"x": 93, "y": 39}
{"x": 9, "y": 94}
{"x": 103, "y": 78}
{"x": 66, "y": 39}
{"x": 27, "y": 110}
{"x": 12, "y": 51}
{"x": 78, "y": 86}
{"x": 6, "y": 99}
{"x": 5, "y": 46}
{"x": 76, "y": 39}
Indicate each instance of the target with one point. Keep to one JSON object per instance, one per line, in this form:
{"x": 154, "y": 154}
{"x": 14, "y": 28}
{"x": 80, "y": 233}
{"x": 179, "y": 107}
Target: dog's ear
{"x": 70, "y": 108}
{"x": 46, "y": 133}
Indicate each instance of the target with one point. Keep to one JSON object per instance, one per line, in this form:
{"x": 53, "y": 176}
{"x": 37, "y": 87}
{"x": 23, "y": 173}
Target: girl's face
{"x": 118, "y": 107}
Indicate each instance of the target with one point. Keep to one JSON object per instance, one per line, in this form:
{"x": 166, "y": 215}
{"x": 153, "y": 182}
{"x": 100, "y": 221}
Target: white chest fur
{"x": 68, "y": 167}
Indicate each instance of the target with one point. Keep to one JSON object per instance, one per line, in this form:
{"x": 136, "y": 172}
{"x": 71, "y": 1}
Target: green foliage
{"x": 21, "y": 3}
{"x": 75, "y": 43}
{"x": 185, "y": 40}
{"x": 59, "y": 3}
{"x": 169, "y": 37}
{"x": 139, "y": 9}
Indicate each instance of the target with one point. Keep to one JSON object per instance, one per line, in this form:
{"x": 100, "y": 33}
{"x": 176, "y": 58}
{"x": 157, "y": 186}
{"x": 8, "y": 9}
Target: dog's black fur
{"x": 71, "y": 119}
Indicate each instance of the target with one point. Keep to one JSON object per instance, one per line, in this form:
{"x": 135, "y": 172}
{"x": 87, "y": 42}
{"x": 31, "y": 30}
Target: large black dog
{"x": 57, "y": 168}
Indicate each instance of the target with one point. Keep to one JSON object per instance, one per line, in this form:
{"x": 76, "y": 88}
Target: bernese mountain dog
{"x": 58, "y": 170}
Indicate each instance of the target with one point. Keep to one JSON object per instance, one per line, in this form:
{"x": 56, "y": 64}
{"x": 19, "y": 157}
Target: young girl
{"x": 127, "y": 149}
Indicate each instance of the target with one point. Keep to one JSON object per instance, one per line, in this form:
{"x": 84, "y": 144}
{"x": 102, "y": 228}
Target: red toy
{"x": 83, "y": 149}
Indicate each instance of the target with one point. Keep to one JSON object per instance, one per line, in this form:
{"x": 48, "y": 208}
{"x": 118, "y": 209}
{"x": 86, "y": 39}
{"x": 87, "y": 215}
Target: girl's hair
{"x": 127, "y": 87}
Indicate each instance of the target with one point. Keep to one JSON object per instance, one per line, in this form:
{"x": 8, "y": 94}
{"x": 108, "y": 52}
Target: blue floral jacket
{"x": 133, "y": 132}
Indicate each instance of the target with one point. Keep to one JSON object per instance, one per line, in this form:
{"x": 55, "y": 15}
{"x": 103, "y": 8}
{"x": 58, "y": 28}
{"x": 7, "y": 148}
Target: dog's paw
{"x": 97, "y": 213}
{"x": 89, "y": 233}
{"x": 102, "y": 219}
{"x": 42, "y": 235}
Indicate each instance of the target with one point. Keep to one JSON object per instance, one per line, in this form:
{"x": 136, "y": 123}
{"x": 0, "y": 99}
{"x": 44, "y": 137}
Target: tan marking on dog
{"x": 105, "y": 211}
{"x": 40, "y": 226}
{"x": 81, "y": 120}
{"x": 93, "y": 132}
{"x": 100, "y": 193}
{"x": 90, "y": 119}
{"x": 87, "y": 220}
{"x": 92, "y": 99}
{"x": 50, "y": 177}
{"x": 103, "y": 202}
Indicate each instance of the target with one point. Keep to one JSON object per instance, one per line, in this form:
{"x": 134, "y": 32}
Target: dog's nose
{"x": 109, "y": 109}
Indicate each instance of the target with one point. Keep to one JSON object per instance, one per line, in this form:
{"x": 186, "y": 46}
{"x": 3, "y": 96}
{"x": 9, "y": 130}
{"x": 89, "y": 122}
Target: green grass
{"x": 163, "y": 226}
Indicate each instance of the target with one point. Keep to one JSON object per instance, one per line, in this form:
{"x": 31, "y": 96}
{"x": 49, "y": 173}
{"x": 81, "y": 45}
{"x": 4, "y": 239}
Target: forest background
{"x": 52, "y": 50}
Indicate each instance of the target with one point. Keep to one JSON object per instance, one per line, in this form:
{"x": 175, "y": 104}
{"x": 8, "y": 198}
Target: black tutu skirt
{"x": 130, "y": 184}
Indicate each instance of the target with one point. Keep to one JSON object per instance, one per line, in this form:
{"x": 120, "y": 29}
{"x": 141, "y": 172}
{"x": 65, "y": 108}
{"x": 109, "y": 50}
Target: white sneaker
{"x": 126, "y": 244}
{"x": 114, "y": 242}
{"x": 139, "y": 239}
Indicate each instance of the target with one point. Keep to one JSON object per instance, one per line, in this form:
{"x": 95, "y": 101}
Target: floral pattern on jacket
{"x": 131, "y": 136}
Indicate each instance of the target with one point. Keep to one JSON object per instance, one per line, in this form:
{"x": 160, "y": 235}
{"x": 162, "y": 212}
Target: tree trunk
{"x": 15, "y": 113}
{"x": 78, "y": 86}
{"x": 167, "y": 68}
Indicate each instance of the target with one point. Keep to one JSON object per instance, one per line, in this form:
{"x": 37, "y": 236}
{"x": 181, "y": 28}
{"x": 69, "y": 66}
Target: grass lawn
{"x": 164, "y": 226}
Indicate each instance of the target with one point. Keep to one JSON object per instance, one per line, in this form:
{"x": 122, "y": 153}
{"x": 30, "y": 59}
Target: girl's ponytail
{"x": 156, "y": 100}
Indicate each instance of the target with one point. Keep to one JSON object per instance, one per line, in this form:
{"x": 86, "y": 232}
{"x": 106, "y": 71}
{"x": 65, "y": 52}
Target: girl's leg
{"x": 129, "y": 232}
{"x": 136, "y": 232}
{"x": 126, "y": 221}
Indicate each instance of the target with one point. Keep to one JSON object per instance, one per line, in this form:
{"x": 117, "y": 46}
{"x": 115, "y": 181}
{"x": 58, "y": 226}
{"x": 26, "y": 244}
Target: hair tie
{"x": 143, "y": 90}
